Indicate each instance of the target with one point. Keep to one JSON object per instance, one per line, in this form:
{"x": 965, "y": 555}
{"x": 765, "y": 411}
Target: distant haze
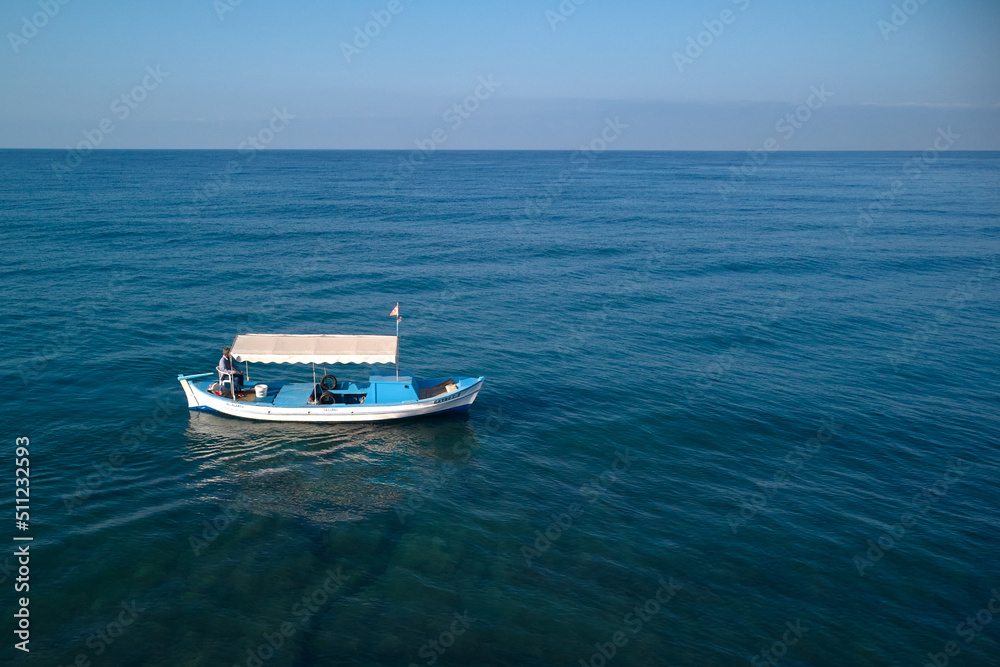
{"x": 556, "y": 74}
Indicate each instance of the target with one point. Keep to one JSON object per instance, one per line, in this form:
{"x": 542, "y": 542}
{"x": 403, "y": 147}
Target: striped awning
{"x": 321, "y": 349}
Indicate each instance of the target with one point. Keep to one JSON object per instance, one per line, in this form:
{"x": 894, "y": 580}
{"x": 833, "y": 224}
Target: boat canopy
{"x": 320, "y": 349}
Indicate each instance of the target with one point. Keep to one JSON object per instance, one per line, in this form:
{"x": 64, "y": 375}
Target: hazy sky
{"x": 879, "y": 74}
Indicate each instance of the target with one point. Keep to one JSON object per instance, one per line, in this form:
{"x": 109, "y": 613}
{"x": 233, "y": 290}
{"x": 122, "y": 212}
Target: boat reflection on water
{"x": 317, "y": 471}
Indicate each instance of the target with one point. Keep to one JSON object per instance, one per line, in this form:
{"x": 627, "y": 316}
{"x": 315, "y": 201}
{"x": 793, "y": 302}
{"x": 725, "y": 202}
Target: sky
{"x": 519, "y": 74}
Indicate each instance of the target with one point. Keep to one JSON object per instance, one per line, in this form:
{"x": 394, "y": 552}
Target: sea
{"x": 738, "y": 409}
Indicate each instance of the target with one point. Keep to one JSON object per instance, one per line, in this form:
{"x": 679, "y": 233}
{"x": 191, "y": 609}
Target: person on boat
{"x": 227, "y": 367}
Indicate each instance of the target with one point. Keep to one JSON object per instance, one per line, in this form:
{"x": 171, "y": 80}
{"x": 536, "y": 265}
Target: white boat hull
{"x": 452, "y": 402}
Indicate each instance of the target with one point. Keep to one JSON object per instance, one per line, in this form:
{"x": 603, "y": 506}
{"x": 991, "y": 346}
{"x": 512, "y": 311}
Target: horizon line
{"x": 512, "y": 150}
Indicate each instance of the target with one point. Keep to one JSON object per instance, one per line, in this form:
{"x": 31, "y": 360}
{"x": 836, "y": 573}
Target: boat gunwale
{"x": 371, "y": 408}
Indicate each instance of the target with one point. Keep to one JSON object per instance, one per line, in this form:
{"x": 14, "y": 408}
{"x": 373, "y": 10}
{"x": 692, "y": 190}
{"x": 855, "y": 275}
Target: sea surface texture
{"x": 733, "y": 413}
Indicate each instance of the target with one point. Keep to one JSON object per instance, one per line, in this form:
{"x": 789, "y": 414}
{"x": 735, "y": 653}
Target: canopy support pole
{"x": 315, "y": 397}
{"x": 397, "y": 346}
{"x": 246, "y": 365}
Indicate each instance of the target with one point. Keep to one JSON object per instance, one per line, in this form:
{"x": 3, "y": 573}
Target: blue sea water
{"x": 729, "y": 408}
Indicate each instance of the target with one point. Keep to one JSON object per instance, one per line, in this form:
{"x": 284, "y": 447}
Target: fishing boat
{"x": 385, "y": 394}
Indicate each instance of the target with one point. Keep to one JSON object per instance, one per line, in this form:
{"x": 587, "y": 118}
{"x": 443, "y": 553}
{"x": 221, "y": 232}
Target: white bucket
{"x": 260, "y": 390}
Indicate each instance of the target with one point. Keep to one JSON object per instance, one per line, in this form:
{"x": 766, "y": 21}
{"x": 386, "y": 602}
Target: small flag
{"x": 395, "y": 311}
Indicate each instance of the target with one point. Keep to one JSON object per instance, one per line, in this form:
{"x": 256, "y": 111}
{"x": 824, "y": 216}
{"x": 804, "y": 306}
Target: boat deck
{"x": 248, "y": 395}
{"x": 292, "y": 395}
{"x": 296, "y": 395}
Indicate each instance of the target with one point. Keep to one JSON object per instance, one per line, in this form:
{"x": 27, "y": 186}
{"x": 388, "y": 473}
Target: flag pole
{"x": 395, "y": 313}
